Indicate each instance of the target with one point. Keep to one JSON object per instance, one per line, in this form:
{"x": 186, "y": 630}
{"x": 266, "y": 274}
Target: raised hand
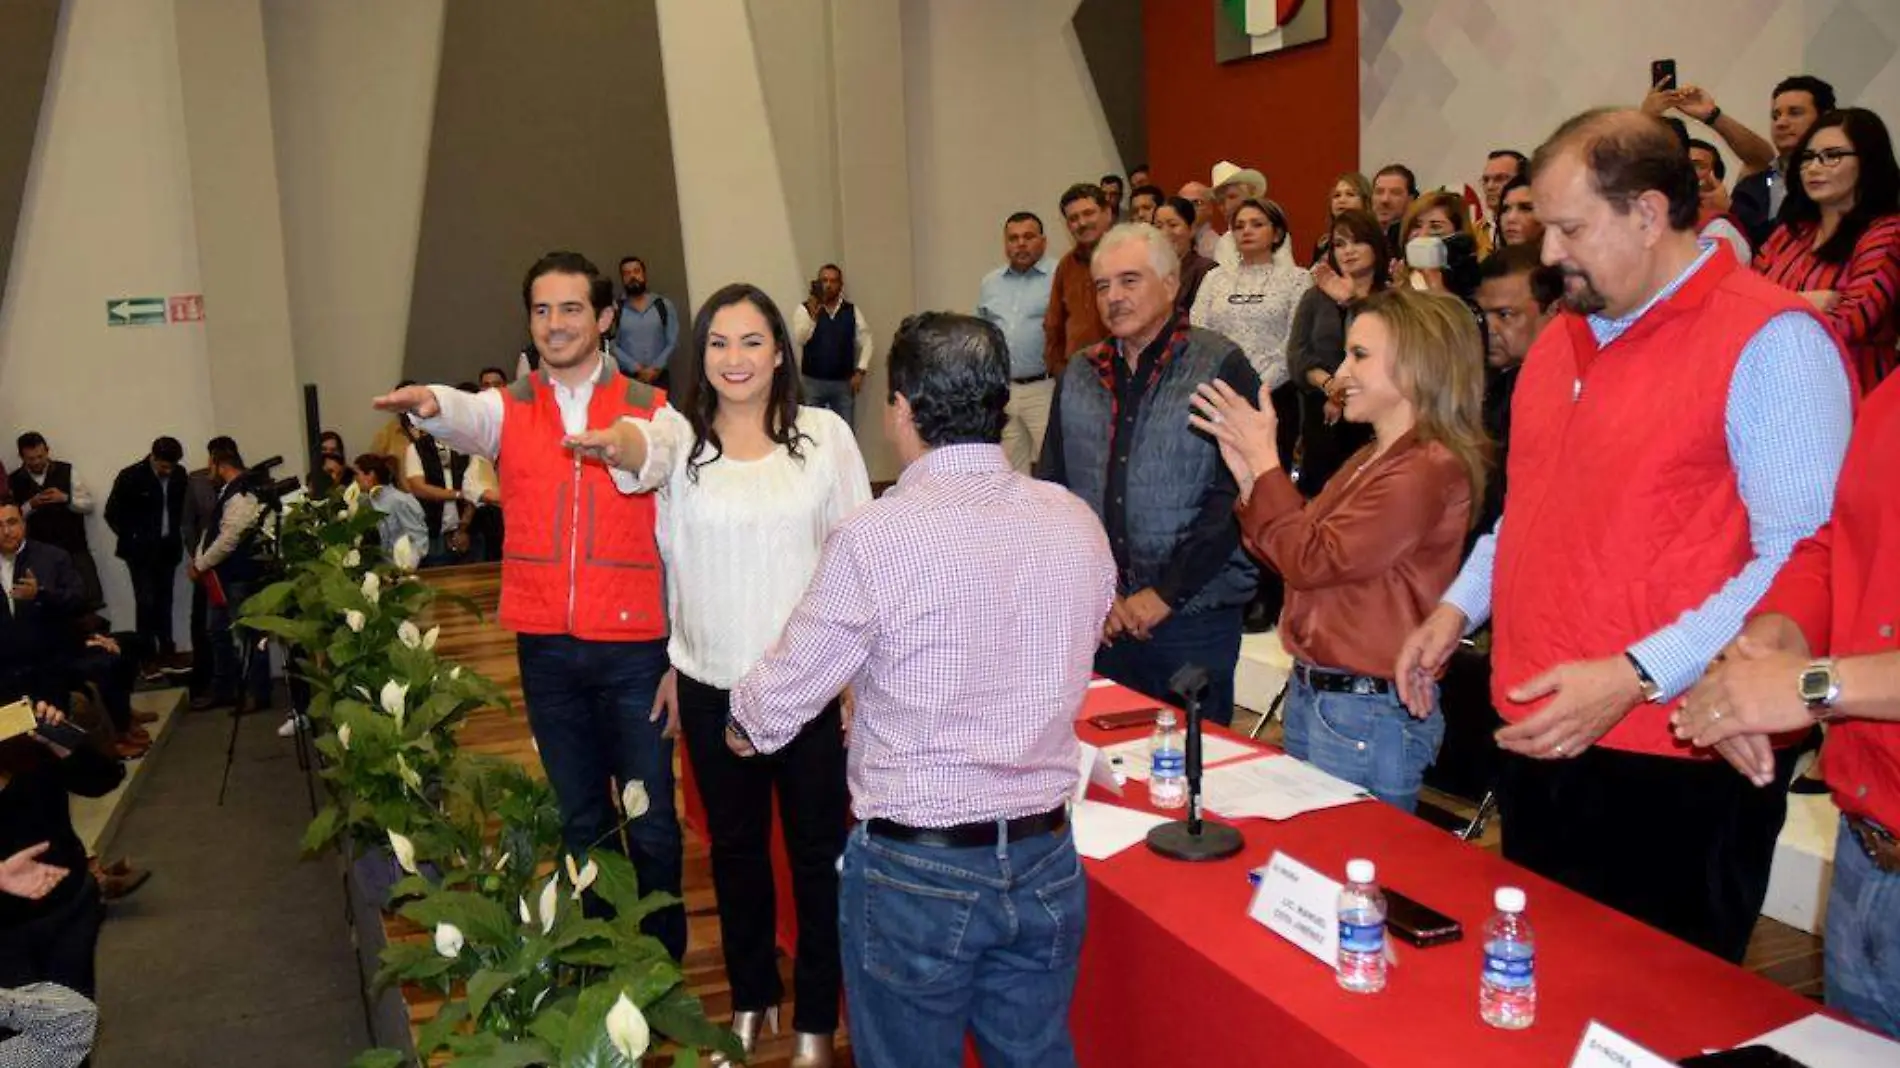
{"x": 418, "y": 401}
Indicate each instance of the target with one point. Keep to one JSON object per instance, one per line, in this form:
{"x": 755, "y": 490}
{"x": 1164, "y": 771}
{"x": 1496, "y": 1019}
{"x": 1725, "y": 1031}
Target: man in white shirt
{"x": 834, "y": 345}
{"x": 448, "y": 485}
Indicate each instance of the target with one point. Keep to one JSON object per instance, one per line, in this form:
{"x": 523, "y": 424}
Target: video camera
{"x": 256, "y": 479}
{"x": 1455, "y": 258}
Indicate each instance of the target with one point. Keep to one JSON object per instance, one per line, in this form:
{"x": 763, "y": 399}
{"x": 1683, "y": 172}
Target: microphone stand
{"x": 1192, "y": 839}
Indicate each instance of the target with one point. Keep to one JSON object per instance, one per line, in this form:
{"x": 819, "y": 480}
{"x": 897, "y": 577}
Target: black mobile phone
{"x": 1743, "y": 1057}
{"x": 1662, "y": 72}
{"x": 1418, "y": 924}
{"x": 67, "y": 734}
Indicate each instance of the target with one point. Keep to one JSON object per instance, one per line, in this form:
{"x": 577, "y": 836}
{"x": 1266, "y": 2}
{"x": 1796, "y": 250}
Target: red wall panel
{"x": 1294, "y": 115}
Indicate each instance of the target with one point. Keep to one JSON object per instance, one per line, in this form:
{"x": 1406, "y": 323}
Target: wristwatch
{"x": 1820, "y": 688}
{"x": 1651, "y": 691}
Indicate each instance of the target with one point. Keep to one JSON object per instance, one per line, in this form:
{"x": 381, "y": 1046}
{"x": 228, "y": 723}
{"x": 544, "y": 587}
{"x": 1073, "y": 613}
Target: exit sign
{"x": 135, "y": 311}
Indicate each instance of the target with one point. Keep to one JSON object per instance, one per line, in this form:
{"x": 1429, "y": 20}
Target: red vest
{"x": 1623, "y": 511}
{"x": 580, "y": 556}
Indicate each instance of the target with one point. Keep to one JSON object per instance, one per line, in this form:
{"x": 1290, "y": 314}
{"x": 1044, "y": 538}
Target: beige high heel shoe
{"x": 746, "y": 1026}
{"x": 812, "y": 1050}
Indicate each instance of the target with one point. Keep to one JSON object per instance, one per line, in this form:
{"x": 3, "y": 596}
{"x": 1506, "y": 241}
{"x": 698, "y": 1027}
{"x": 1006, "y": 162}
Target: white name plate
{"x": 1604, "y": 1048}
{"x": 1300, "y": 905}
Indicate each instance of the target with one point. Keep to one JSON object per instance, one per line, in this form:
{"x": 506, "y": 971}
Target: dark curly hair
{"x": 694, "y": 396}
{"x": 954, "y": 371}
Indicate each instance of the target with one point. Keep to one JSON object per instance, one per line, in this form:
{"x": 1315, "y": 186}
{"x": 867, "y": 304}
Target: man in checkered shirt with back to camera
{"x": 963, "y": 608}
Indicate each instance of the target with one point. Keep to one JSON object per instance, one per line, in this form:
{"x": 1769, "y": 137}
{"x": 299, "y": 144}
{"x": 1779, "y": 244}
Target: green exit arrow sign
{"x": 135, "y": 311}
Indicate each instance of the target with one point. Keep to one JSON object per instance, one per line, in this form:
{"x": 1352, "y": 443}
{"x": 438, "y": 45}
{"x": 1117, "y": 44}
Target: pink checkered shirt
{"x": 964, "y": 608}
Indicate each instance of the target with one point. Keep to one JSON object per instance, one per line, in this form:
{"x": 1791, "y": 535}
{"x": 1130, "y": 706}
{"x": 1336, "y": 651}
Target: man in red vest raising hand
{"x": 581, "y": 584}
{"x": 1673, "y": 434}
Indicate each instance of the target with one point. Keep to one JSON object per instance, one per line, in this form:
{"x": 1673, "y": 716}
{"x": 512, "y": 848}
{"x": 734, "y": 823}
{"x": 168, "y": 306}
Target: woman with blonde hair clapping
{"x": 1368, "y": 559}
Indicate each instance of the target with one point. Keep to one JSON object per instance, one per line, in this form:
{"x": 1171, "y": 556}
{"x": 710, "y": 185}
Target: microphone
{"x": 1191, "y": 839}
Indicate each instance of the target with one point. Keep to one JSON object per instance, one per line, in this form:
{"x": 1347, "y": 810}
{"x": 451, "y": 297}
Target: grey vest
{"x": 1169, "y": 466}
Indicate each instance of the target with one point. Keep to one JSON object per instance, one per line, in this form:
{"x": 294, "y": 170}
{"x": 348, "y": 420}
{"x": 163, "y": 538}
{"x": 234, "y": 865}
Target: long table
{"x": 1174, "y": 971}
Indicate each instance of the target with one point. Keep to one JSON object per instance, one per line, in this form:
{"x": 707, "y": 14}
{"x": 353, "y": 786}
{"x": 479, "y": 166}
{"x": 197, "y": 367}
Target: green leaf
{"x": 269, "y": 601}
{"x": 323, "y": 829}
{"x": 551, "y": 1024}
{"x": 483, "y": 986}
{"x": 434, "y": 1034}
{"x": 617, "y": 885}
{"x": 587, "y": 1044}
{"x": 680, "y": 1017}
{"x": 686, "y": 1058}
{"x": 407, "y": 960}
{"x": 489, "y": 1051}
{"x": 484, "y": 921}
{"x": 379, "y": 1058}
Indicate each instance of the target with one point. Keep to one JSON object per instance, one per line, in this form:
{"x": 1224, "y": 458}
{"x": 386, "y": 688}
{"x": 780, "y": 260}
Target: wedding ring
{"x": 1219, "y": 418}
{"x": 1558, "y": 749}
{"x": 1714, "y": 714}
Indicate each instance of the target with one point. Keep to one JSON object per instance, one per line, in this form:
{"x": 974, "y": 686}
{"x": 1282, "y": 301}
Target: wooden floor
{"x": 1782, "y": 954}
{"x": 483, "y": 646}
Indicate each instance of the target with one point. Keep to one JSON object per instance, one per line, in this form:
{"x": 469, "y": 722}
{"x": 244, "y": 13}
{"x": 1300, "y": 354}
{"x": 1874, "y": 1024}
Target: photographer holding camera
{"x": 834, "y": 345}
{"x": 226, "y": 562}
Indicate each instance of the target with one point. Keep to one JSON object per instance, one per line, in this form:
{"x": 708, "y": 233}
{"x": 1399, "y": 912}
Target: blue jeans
{"x": 1863, "y": 938}
{"x": 588, "y": 704}
{"x": 937, "y": 942}
{"x": 1369, "y": 740}
{"x": 834, "y": 394}
{"x": 1210, "y": 639}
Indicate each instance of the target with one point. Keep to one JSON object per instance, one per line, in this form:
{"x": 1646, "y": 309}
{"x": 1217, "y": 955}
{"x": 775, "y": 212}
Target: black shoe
{"x": 205, "y": 704}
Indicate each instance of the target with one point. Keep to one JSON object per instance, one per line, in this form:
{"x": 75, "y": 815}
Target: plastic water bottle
{"x": 1507, "y": 991}
{"x": 1361, "y": 930}
{"x": 1167, "y": 769}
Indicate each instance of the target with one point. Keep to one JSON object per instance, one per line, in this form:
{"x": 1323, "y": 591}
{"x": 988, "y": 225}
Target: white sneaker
{"x": 291, "y": 725}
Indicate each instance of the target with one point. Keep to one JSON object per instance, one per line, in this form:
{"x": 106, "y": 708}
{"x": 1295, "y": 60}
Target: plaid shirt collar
{"x": 973, "y": 459}
{"x": 1104, "y": 355}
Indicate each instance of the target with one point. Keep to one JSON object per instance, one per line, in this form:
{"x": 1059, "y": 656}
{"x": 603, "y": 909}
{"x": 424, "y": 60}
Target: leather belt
{"x": 1877, "y": 842}
{"x": 1342, "y": 682}
{"x": 972, "y": 835}
{"x": 1030, "y": 380}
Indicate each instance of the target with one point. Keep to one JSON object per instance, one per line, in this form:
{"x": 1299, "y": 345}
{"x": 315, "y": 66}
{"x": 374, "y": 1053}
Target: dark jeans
{"x": 201, "y": 657}
{"x": 1210, "y": 639}
{"x": 1682, "y": 845}
{"x": 588, "y": 705}
{"x": 833, "y": 394}
{"x": 58, "y": 946}
{"x": 116, "y": 675}
{"x": 940, "y": 942}
{"x": 152, "y": 585}
{"x": 234, "y": 651}
{"x": 808, "y": 776}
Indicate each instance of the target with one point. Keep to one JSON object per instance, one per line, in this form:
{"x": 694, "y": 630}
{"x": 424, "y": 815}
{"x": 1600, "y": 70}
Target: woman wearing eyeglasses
{"x": 1838, "y": 242}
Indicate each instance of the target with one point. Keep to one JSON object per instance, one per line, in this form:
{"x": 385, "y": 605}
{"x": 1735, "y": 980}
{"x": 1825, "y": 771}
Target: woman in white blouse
{"x": 1253, "y": 303}
{"x": 750, "y": 483}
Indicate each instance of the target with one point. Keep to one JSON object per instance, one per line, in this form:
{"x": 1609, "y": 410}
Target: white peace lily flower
{"x": 573, "y": 870}
{"x": 373, "y": 587}
{"x": 409, "y": 635}
{"x": 404, "y": 554}
{"x": 627, "y": 1029}
{"x": 394, "y": 693}
{"x": 550, "y": 899}
{"x": 526, "y": 916}
{"x": 352, "y": 499}
{"x": 503, "y": 862}
{"x": 405, "y": 851}
{"x": 633, "y": 799}
{"x": 408, "y": 774}
{"x": 586, "y": 878}
{"x": 355, "y": 620}
{"x": 428, "y": 640}
{"x": 352, "y": 559}
{"x": 343, "y": 736}
{"x": 456, "y": 673}
{"x": 449, "y": 940}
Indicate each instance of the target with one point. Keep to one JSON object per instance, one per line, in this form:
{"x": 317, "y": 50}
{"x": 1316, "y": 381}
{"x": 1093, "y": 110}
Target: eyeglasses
{"x": 1829, "y": 158}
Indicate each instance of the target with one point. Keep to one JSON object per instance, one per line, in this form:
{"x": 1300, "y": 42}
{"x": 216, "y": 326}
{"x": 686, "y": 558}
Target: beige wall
{"x": 802, "y": 117}
{"x": 352, "y": 93}
{"x": 240, "y": 240}
{"x": 1002, "y": 117}
{"x": 107, "y": 213}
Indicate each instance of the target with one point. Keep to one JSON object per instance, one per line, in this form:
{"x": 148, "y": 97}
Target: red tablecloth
{"x": 1175, "y": 972}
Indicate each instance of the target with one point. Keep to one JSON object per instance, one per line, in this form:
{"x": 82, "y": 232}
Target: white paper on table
{"x": 1604, "y": 1048}
{"x": 1100, "y": 684}
{"x": 1823, "y": 1042}
{"x": 1093, "y": 766}
{"x": 1132, "y": 757}
{"x": 1276, "y": 788}
{"x": 1103, "y": 830}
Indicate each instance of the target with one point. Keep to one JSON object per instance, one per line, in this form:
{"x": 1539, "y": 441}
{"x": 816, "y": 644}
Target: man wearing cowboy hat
{"x": 1234, "y": 186}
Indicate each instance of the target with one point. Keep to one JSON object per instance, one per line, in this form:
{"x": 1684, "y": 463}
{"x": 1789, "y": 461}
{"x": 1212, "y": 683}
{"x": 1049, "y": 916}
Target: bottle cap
{"x": 1509, "y": 899}
{"x": 1359, "y": 871}
{"x": 1164, "y": 718}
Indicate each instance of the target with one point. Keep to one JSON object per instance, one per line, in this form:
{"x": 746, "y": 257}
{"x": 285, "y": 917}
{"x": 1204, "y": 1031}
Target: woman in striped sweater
{"x": 1838, "y": 242}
